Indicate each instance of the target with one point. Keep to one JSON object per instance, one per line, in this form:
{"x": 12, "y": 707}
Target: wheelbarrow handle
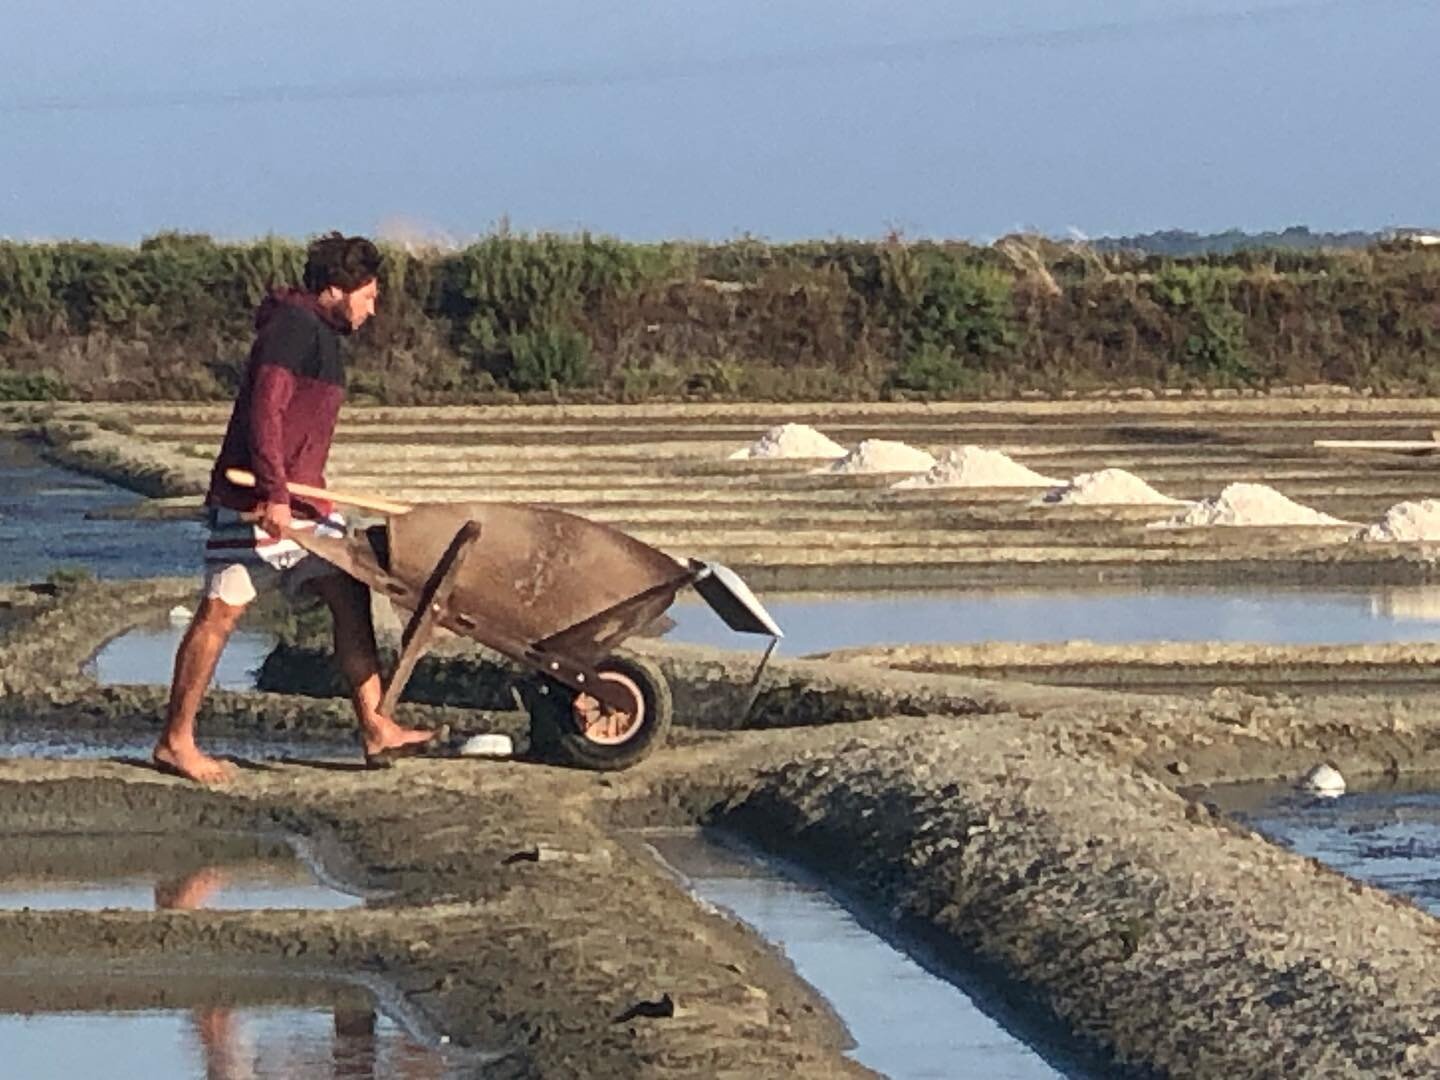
{"x": 244, "y": 478}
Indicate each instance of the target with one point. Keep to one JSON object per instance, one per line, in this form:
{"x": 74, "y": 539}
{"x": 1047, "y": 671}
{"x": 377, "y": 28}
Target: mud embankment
{"x": 1144, "y": 920}
{"x": 1058, "y": 835}
{"x": 513, "y": 923}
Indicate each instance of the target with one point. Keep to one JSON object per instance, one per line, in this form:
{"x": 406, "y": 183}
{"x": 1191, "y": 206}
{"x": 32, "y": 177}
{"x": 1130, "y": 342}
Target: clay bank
{"x": 1056, "y": 840}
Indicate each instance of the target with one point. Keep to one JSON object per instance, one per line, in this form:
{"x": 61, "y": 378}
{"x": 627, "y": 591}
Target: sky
{"x": 674, "y": 119}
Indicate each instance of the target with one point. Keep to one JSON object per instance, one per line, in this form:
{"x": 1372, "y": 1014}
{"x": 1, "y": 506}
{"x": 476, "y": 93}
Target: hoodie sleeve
{"x": 284, "y": 350}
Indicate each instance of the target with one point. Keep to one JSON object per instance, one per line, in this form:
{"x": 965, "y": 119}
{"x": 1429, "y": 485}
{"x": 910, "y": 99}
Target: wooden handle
{"x": 243, "y": 478}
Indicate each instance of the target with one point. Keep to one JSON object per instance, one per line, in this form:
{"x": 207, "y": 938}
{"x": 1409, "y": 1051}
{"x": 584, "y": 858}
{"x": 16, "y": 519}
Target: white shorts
{"x": 242, "y": 560}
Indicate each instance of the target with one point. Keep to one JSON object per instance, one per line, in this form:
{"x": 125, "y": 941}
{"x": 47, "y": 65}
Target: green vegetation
{"x": 597, "y": 319}
{"x": 69, "y": 579}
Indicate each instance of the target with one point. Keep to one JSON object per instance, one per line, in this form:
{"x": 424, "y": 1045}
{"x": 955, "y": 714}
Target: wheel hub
{"x": 607, "y": 726}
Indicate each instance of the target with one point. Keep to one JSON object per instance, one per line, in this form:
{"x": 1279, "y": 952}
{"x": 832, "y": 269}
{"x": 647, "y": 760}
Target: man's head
{"x": 343, "y": 272}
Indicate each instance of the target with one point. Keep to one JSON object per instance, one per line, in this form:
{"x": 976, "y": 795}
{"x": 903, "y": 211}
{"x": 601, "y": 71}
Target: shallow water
{"x": 228, "y": 1028}
{"x": 819, "y": 623}
{"x": 43, "y": 525}
{"x": 145, "y": 656}
{"x": 1388, "y": 836}
{"x": 211, "y": 871}
{"x": 907, "y": 1022}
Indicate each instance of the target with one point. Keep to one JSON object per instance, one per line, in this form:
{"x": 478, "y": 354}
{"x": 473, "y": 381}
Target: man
{"x": 280, "y": 430}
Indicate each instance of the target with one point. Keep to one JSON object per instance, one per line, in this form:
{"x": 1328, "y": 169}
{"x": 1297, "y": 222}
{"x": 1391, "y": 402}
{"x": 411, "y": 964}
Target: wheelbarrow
{"x": 552, "y": 592}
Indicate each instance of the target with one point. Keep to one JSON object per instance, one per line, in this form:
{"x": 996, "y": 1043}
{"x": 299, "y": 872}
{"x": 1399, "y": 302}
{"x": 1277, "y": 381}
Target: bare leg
{"x": 359, "y": 661}
{"x": 195, "y": 663}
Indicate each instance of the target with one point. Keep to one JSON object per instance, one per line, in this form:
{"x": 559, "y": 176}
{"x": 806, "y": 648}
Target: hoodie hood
{"x": 298, "y": 298}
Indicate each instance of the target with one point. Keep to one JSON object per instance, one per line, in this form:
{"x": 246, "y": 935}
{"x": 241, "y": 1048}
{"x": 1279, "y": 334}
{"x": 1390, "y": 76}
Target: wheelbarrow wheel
{"x": 572, "y": 728}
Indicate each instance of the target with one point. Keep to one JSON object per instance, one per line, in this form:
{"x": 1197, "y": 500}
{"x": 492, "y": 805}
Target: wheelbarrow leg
{"x": 428, "y": 612}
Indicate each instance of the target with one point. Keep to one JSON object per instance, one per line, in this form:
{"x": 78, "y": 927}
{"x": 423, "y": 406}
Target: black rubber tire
{"x": 556, "y": 735}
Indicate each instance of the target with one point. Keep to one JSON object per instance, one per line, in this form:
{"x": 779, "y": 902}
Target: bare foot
{"x": 387, "y": 735}
{"x": 190, "y": 763}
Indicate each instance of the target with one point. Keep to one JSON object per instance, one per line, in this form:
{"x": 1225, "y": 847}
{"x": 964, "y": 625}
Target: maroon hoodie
{"x": 284, "y": 417}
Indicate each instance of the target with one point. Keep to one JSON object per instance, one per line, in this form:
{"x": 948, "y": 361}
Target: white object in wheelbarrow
{"x": 491, "y": 745}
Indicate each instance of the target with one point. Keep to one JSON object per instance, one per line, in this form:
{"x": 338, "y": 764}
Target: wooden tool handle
{"x": 242, "y": 478}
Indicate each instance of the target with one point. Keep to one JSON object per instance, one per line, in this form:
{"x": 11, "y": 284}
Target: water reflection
{"x": 1418, "y": 603}
{"x": 53, "y": 871}
{"x": 225, "y": 1040}
{"x": 345, "y": 1040}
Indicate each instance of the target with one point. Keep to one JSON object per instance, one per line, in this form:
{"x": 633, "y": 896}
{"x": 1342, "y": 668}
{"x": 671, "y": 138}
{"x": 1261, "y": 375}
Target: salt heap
{"x": 1407, "y": 521}
{"x": 976, "y": 467}
{"x": 1249, "y": 504}
{"x": 790, "y": 441}
{"x": 882, "y": 456}
{"x": 1107, "y": 487}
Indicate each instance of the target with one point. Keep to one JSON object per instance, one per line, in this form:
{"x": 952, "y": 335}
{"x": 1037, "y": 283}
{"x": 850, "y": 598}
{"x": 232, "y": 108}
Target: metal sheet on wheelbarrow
{"x": 534, "y": 571}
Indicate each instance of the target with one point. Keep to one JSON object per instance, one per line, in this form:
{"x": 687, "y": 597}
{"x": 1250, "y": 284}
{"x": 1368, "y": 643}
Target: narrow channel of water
{"x": 226, "y": 1027}
{"x": 906, "y": 1021}
{"x": 158, "y": 872}
{"x": 43, "y": 525}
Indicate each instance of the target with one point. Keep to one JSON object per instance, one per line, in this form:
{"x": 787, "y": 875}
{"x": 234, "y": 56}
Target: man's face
{"x": 358, "y": 305}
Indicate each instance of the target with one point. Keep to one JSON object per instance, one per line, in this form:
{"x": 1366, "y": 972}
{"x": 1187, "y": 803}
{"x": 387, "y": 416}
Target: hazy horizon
{"x": 682, "y": 121}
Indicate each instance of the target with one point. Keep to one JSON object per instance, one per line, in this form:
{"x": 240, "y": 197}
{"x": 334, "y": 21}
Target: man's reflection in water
{"x": 353, "y": 1047}
{"x": 229, "y": 1054}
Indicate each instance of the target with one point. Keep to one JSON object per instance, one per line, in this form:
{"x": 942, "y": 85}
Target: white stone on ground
{"x": 1419, "y": 520}
{"x": 790, "y": 441}
{"x": 1323, "y": 780}
{"x": 882, "y": 456}
{"x": 1106, "y": 487}
{"x": 180, "y": 615}
{"x": 976, "y": 467}
{"x": 1248, "y": 504}
{"x": 488, "y": 745}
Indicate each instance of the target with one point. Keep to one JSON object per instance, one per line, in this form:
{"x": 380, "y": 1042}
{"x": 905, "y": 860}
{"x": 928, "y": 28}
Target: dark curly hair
{"x": 347, "y": 262}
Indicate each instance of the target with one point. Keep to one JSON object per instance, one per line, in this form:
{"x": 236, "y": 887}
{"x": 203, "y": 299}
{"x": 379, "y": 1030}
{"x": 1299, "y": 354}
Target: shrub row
{"x": 595, "y": 317}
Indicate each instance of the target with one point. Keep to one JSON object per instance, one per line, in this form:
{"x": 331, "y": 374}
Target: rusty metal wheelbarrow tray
{"x": 550, "y": 590}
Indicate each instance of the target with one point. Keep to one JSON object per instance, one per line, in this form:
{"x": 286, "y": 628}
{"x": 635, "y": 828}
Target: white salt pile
{"x": 1107, "y": 487}
{"x": 882, "y": 456}
{"x": 790, "y": 441}
{"x": 1249, "y": 504}
{"x": 1407, "y": 521}
{"x": 976, "y": 467}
